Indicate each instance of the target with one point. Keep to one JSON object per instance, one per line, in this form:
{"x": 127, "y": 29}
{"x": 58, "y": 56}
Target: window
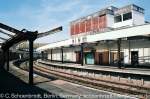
{"x": 127, "y": 16}
{"x": 84, "y": 39}
{"x": 72, "y": 41}
{"x": 78, "y": 40}
{"x": 118, "y": 18}
{"x": 136, "y": 8}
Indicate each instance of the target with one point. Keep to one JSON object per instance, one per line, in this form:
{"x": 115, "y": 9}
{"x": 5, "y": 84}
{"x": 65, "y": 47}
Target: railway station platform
{"x": 12, "y": 86}
{"x": 134, "y": 79}
{"x": 112, "y": 69}
{"x": 16, "y": 82}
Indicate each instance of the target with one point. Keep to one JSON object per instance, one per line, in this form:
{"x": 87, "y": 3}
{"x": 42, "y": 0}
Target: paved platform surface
{"x": 103, "y": 68}
{"x": 13, "y": 87}
{"x": 74, "y": 91}
{"x": 66, "y": 89}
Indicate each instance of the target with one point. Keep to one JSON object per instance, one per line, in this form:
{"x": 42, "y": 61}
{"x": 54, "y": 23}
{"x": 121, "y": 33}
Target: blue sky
{"x": 43, "y": 15}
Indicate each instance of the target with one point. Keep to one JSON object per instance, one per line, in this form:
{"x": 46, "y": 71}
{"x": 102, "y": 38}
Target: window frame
{"x": 120, "y": 20}
{"x": 127, "y": 18}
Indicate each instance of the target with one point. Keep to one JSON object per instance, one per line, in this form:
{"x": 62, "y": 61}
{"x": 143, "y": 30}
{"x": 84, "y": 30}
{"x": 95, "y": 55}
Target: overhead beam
{"x": 6, "y": 33}
{"x": 3, "y": 39}
{"x": 138, "y": 37}
{"x": 10, "y": 29}
{"x": 18, "y": 38}
{"x": 58, "y": 29}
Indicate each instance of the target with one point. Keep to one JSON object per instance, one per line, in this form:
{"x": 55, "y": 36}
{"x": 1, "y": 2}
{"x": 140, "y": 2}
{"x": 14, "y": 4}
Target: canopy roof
{"x": 19, "y": 36}
{"x": 140, "y": 30}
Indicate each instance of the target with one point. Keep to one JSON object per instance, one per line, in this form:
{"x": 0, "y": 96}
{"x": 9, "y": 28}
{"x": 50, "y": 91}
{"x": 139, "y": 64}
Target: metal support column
{"x": 42, "y": 55}
{"x": 82, "y": 54}
{"x": 119, "y": 54}
{"x": 7, "y": 60}
{"x": 62, "y": 55}
{"x": 3, "y": 60}
{"x": 51, "y": 54}
{"x": 129, "y": 51}
{"x": 45, "y": 55}
{"x": 31, "y": 62}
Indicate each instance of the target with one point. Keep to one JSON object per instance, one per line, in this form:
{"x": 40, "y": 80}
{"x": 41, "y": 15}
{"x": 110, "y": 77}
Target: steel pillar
{"x": 129, "y": 51}
{"x": 62, "y": 55}
{"x": 119, "y": 54}
{"x": 42, "y": 55}
{"x": 31, "y": 62}
{"x": 7, "y": 60}
{"x": 3, "y": 59}
{"x": 51, "y": 54}
{"x": 82, "y": 54}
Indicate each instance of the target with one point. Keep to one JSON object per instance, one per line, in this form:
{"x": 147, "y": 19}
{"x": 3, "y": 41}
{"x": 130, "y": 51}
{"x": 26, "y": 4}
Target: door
{"x": 104, "y": 58}
{"x": 78, "y": 57}
{"x": 101, "y": 59}
{"x": 134, "y": 58}
{"x": 89, "y": 58}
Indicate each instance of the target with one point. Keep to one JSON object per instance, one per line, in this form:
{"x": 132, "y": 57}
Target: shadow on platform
{"x": 9, "y": 84}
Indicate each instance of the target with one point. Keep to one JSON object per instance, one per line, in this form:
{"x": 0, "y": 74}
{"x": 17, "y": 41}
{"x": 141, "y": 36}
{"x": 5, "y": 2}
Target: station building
{"x": 111, "y": 36}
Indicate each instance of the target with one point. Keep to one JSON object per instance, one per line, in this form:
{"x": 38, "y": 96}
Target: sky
{"x": 44, "y": 15}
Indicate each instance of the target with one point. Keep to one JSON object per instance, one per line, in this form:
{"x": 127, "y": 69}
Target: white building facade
{"x": 111, "y": 36}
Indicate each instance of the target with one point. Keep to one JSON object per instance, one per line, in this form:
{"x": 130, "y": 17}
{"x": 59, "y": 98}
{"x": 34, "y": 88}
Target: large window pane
{"x": 127, "y": 16}
{"x": 118, "y": 18}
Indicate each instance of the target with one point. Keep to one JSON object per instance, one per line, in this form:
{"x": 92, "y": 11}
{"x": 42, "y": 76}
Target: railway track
{"x": 94, "y": 82}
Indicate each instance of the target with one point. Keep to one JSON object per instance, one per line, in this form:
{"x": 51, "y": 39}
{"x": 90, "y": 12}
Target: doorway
{"x": 104, "y": 58}
{"x": 134, "y": 58}
{"x": 78, "y": 57}
{"x": 89, "y": 58}
{"x": 101, "y": 59}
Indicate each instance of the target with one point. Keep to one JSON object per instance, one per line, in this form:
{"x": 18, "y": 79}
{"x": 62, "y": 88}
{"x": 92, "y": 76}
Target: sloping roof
{"x": 56, "y": 44}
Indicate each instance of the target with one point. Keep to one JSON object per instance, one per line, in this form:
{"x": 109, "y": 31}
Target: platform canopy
{"x": 5, "y": 35}
{"x": 126, "y": 32}
{"x": 56, "y": 44}
{"x": 17, "y": 36}
{"x": 140, "y": 30}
